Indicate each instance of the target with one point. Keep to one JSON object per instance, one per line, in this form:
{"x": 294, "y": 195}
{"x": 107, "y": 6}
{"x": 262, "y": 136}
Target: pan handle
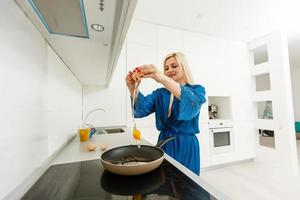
{"x": 164, "y": 141}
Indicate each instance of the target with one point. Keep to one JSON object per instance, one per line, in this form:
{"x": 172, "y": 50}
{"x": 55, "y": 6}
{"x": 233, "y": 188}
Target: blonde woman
{"x": 176, "y": 106}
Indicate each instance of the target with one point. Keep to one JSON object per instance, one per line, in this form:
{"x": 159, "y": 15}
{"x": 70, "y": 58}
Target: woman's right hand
{"x": 132, "y": 79}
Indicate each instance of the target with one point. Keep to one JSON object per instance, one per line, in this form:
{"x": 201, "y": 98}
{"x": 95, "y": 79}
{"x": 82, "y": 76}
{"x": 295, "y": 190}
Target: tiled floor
{"x": 254, "y": 181}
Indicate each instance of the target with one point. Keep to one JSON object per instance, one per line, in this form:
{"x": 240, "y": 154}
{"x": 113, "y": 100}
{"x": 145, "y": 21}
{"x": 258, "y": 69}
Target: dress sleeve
{"x": 191, "y": 99}
{"x": 144, "y": 105}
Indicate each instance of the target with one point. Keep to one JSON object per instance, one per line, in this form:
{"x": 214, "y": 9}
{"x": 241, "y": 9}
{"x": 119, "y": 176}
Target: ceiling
{"x": 239, "y": 20}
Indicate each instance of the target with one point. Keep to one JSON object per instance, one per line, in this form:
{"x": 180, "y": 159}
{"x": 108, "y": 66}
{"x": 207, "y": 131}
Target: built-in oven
{"x": 221, "y": 136}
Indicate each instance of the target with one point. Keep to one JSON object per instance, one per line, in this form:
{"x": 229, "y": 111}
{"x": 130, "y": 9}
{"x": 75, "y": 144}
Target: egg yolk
{"x": 136, "y": 134}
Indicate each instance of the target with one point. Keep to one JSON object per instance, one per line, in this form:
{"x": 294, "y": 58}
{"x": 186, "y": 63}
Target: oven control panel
{"x": 219, "y": 124}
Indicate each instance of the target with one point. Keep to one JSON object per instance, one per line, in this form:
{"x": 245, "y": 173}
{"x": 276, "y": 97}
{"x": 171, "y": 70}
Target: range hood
{"x": 65, "y": 17}
{"x": 86, "y": 34}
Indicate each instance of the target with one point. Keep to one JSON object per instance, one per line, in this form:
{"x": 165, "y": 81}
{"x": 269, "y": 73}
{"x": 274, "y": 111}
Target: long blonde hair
{"x": 182, "y": 61}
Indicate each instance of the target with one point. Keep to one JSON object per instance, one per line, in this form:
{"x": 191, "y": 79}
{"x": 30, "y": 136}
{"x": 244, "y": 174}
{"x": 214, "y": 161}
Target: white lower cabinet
{"x": 236, "y": 143}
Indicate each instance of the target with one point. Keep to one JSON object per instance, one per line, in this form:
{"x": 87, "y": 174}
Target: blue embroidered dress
{"x": 182, "y": 123}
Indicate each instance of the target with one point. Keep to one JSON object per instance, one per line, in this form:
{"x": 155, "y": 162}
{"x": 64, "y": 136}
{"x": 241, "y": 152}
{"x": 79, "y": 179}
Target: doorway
{"x": 294, "y": 48}
{"x": 273, "y": 100}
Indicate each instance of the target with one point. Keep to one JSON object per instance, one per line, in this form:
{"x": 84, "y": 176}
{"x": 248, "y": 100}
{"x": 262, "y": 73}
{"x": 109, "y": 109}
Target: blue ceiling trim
{"x": 84, "y": 19}
{"x": 36, "y": 10}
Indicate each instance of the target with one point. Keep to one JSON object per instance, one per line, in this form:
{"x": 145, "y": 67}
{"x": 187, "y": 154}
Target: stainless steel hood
{"x": 87, "y": 35}
{"x": 66, "y": 17}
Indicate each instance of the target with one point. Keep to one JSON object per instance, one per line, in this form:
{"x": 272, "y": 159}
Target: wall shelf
{"x": 224, "y": 107}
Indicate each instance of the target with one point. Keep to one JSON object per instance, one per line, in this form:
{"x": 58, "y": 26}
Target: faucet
{"x": 89, "y": 113}
{"x": 88, "y": 124}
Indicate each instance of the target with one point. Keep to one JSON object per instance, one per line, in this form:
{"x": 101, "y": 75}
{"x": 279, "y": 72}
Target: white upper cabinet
{"x": 87, "y": 35}
{"x": 142, "y": 33}
{"x": 169, "y": 38}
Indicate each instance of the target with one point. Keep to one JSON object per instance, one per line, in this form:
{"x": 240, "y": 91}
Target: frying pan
{"x": 131, "y": 160}
{"x": 129, "y": 186}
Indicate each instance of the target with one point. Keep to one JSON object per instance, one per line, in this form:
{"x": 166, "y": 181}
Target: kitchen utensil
{"x": 213, "y": 111}
{"x": 131, "y": 160}
{"x": 136, "y": 132}
{"x": 84, "y": 134}
{"x": 127, "y": 186}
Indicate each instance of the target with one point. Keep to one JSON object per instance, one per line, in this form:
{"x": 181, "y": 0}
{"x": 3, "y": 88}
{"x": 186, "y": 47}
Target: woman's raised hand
{"x": 145, "y": 71}
{"x": 136, "y": 74}
{"x": 151, "y": 71}
{"x": 130, "y": 82}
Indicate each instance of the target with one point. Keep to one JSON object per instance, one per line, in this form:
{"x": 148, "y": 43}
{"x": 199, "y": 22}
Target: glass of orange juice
{"x": 84, "y": 134}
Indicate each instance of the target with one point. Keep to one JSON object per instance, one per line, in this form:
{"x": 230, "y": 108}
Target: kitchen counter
{"x": 76, "y": 152}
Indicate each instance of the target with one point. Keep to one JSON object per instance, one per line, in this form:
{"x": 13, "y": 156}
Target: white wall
{"x": 112, "y": 99}
{"x": 295, "y": 76}
{"x": 34, "y": 93}
{"x": 221, "y": 66}
{"x": 64, "y": 102}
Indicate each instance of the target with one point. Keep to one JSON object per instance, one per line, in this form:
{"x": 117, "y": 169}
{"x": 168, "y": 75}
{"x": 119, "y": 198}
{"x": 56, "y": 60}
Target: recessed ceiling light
{"x": 97, "y": 27}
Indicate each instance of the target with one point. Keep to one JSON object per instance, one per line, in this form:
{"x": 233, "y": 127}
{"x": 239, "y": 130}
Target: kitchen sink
{"x": 109, "y": 130}
{"x": 114, "y": 130}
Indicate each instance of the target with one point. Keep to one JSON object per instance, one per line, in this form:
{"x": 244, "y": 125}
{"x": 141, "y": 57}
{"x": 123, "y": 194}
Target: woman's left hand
{"x": 151, "y": 71}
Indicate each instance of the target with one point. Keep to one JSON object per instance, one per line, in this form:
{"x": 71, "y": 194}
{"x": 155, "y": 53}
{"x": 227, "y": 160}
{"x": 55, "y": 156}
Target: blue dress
{"x": 182, "y": 123}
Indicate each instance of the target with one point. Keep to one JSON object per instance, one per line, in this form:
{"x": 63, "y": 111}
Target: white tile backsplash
{"x": 64, "y": 102}
{"x": 40, "y": 99}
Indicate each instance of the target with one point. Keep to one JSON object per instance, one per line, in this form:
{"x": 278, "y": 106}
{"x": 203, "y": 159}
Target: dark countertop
{"x": 88, "y": 180}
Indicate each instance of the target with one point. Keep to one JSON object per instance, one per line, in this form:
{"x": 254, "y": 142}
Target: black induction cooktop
{"x": 88, "y": 180}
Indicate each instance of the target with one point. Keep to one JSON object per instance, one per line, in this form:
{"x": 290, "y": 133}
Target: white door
{"x": 272, "y": 97}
